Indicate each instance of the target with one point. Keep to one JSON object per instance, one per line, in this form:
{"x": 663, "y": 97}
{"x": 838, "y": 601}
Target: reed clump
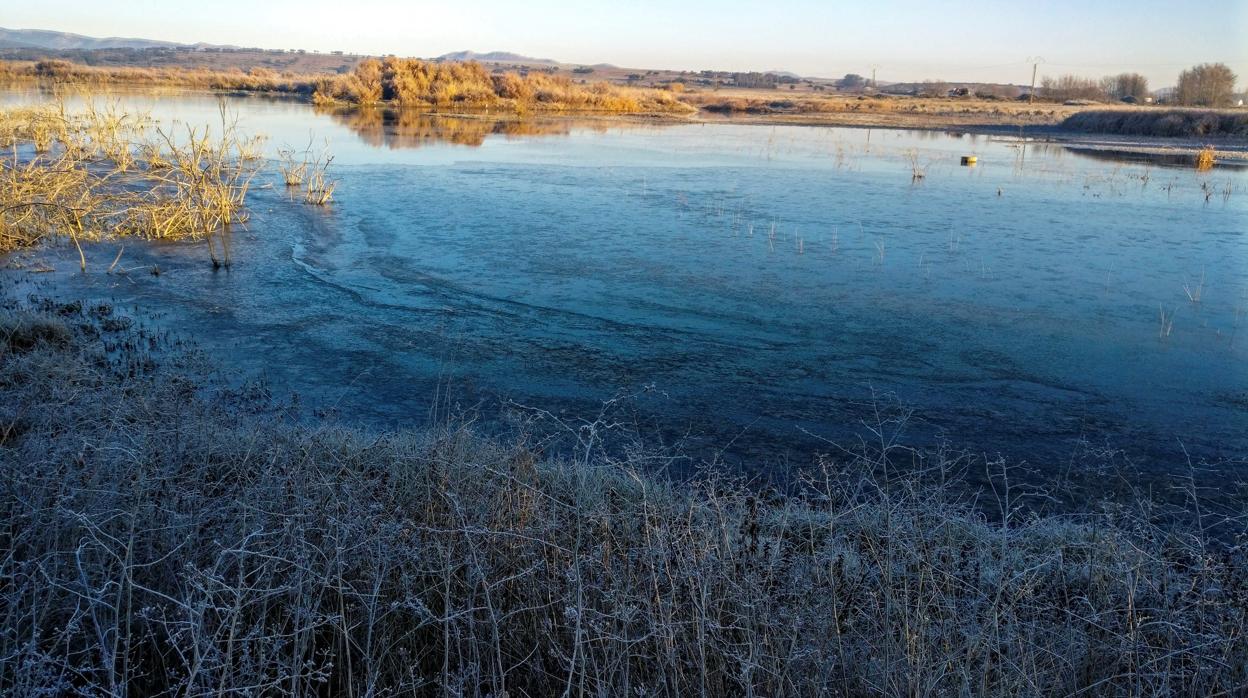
{"x": 1206, "y": 157}
{"x": 103, "y": 173}
{"x": 39, "y": 127}
{"x": 160, "y": 543}
{"x": 309, "y": 170}
{"x": 417, "y": 83}
{"x": 293, "y": 165}
{"x": 917, "y": 171}
{"x": 320, "y": 188}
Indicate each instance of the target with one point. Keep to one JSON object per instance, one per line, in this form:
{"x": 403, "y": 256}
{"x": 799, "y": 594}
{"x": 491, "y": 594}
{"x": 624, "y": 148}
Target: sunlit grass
{"x": 1205, "y": 159}
{"x": 104, "y": 173}
{"x": 405, "y": 82}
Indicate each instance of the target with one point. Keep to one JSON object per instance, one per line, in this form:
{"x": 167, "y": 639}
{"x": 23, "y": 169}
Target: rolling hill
{"x": 65, "y": 41}
{"x": 494, "y": 57}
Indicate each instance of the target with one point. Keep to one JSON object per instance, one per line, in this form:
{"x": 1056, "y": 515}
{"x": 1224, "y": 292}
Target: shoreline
{"x": 1005, "y": 125}
{"x": 1043, "y": 131}
{"x": 1236, "y": 149}
{"x": 1226, "y": 148}
{"x": 1232, "y": 150}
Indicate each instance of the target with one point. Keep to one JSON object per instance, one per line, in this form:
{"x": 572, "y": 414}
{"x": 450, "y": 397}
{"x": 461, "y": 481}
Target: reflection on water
{"x": 1182, "y": 160}
{"x": 755, "y": 285}
{"x": 408, "y": 128}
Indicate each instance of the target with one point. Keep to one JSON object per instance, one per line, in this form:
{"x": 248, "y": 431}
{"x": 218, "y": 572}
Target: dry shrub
{"x": 261, "y": 73}
{"x": 59, "y": 70}
{"x": 1205, "y": 159}
{"x": 26, "y": 331}
{"x": 410, "y": 82}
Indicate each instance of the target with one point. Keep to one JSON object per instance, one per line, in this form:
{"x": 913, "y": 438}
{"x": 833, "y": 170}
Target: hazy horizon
{"x": 905, "y": 40}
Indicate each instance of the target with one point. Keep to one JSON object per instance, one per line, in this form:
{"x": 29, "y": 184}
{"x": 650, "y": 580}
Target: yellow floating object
{"x": 969, "y": 160}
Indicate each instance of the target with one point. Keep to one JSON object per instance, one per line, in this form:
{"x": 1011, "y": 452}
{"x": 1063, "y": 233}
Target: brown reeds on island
{"x": 103, "y": 173}
{"x": 417, "y": 83}
{"x": 159, "y": 543}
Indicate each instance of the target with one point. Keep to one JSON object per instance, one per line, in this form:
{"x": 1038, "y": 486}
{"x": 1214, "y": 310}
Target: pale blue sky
{"x": 907, "y": 39}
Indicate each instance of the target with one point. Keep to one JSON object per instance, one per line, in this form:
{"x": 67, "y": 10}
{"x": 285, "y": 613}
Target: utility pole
{"x": 1035, "y": 62}
{"x": 873, "y": 69}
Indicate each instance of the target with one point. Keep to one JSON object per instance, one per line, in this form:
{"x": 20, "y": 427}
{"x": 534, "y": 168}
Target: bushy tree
{"x": 1126, "y": 85}
{"x": 364, "y": 86}
{"x": 1066, "y": 87}
{"x": 852, "y": 81}
{"x": 1206, "y": 85}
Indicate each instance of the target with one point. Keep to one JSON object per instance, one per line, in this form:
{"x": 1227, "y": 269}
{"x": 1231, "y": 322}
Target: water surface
{"x": 755, "y": 287}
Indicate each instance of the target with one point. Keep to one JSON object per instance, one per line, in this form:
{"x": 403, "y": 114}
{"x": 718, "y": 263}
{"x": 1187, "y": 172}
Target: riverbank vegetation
{"x": 403, "y": 82}
{"x": 470, "y": 86}
{"x": 168, "y": 534}
{"x": 104, "y": 173}
{"x": 61, "y": 72}
{"x": 1161, "y": 123}
{"x": 417, "y": 83}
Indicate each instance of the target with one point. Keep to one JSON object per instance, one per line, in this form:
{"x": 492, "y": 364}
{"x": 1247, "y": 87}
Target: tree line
{"x": 1204, "y": 85}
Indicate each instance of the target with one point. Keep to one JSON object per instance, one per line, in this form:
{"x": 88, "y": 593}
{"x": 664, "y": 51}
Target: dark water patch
{"x": 1160, "y": 159}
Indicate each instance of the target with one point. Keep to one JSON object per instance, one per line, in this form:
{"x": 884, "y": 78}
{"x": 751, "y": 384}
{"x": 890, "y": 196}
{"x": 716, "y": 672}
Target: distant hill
{"x": 64, "y": 41}
{"x": 494, "y": 57}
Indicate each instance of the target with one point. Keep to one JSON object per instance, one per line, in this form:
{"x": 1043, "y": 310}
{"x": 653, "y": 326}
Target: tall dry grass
{"x": 63, "y": 72}
{"x": 167, "y": 535}
{"x": 406, "y": 82}
{"x": 102, "y": 173}
{"x": 417, "y": 83}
